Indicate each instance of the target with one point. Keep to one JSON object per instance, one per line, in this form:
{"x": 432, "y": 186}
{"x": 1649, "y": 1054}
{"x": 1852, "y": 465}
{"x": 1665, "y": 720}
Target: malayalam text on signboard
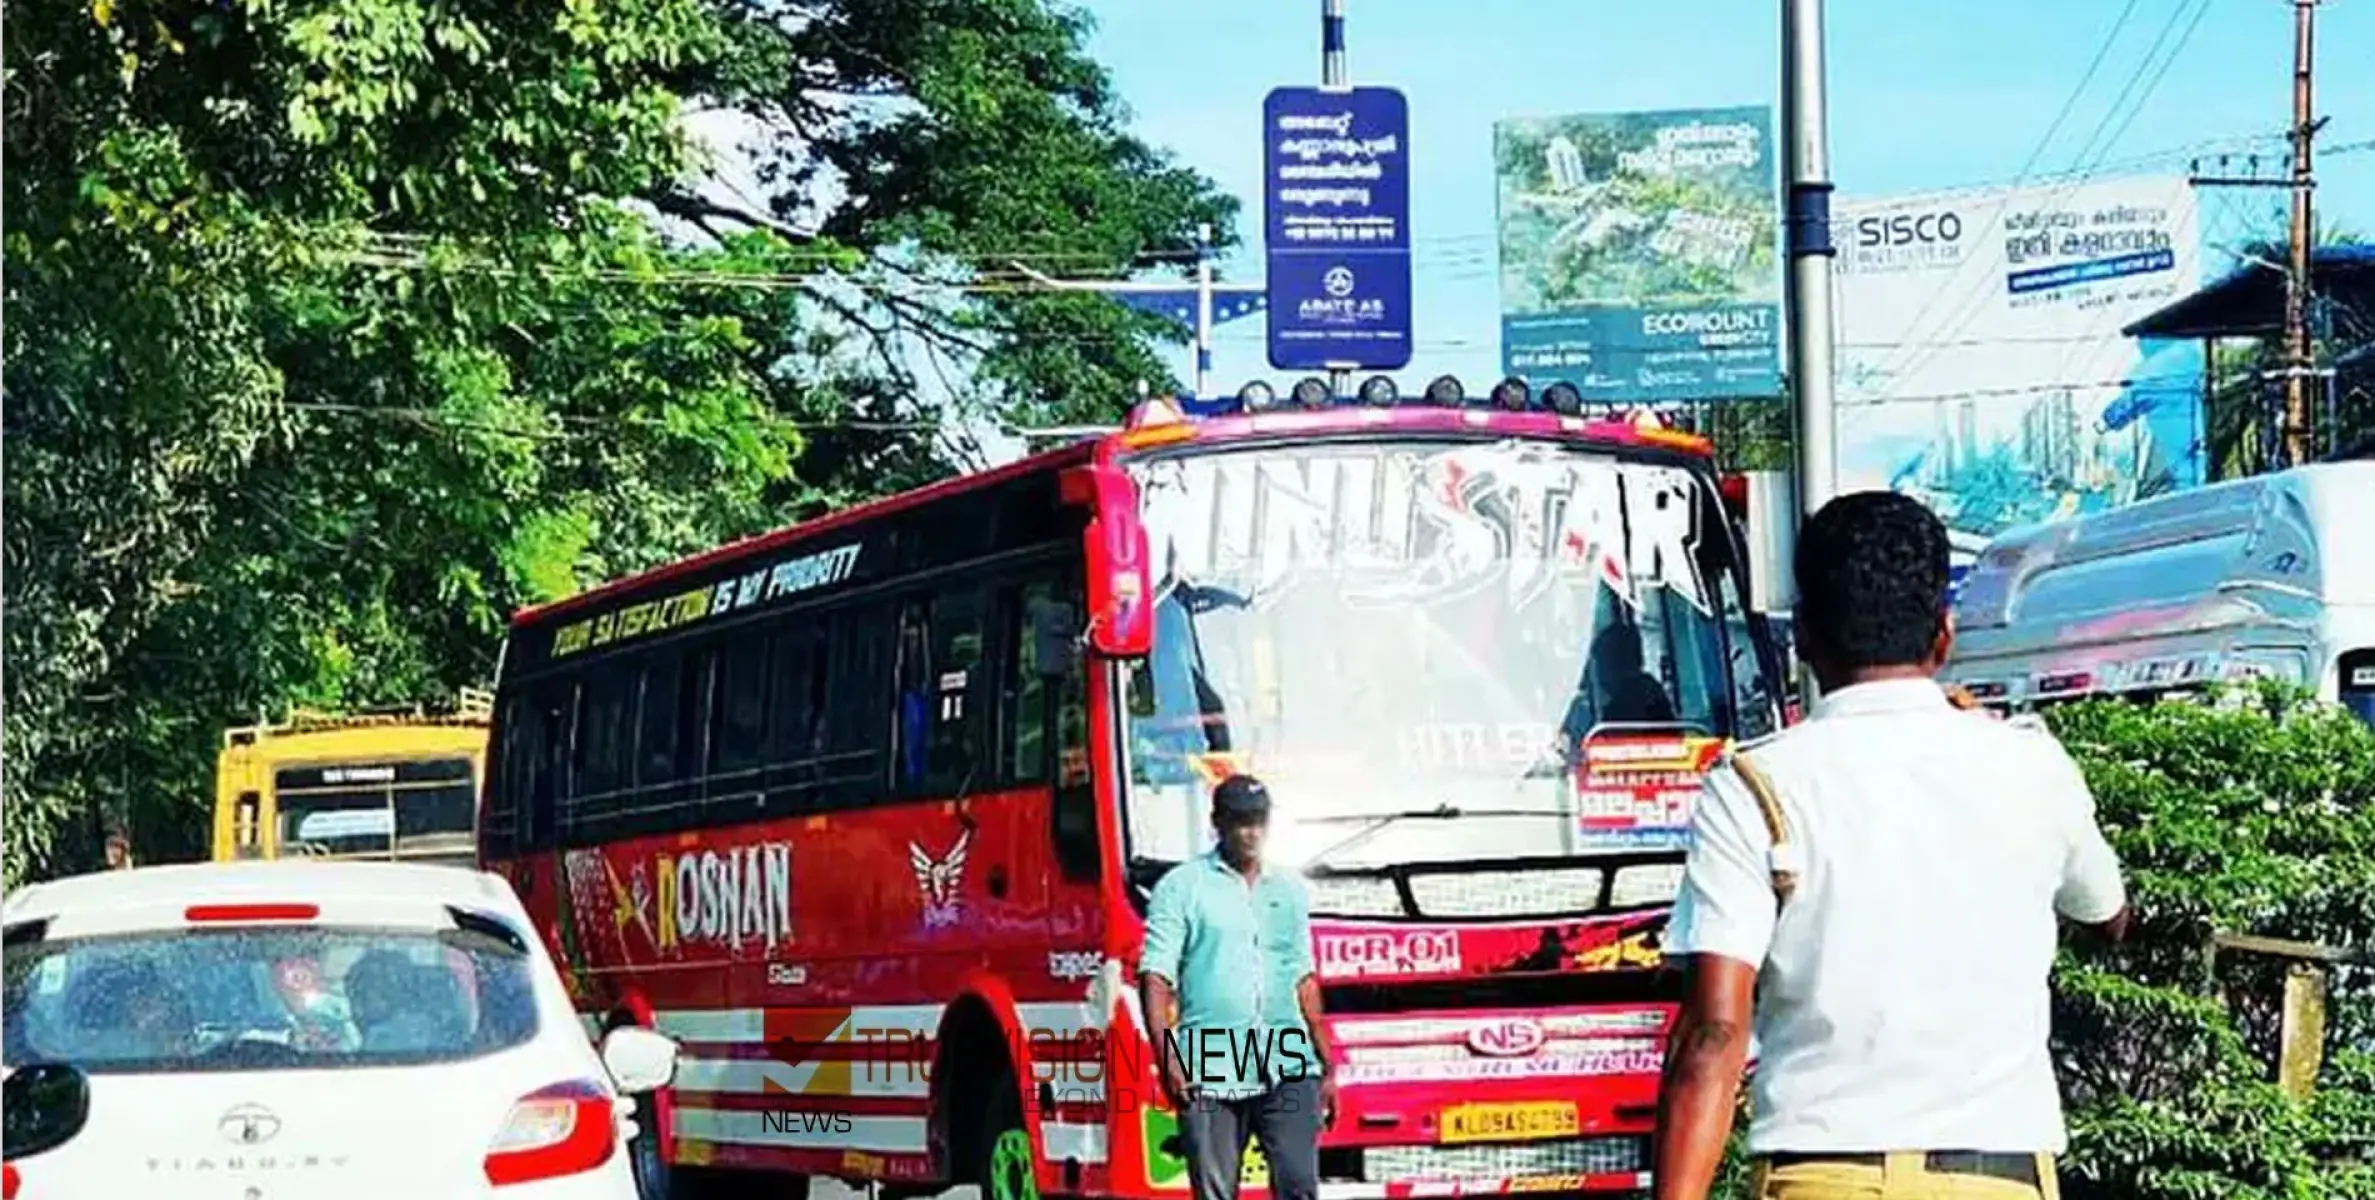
{"x": 1336, "y": 200}
{"x": 1981, "y": 364}
{"x": 1640, "y": 254}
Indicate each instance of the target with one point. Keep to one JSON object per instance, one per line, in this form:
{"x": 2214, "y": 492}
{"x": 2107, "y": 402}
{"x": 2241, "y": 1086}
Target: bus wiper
{"x": 1379, "y": 822}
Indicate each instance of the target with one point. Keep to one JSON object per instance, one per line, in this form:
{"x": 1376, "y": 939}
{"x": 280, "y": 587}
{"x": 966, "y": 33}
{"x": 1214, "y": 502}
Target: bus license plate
{"x": 1510, "y": 1122}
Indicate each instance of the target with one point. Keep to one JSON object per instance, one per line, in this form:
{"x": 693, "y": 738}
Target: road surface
{"x": 834, "y": 1189}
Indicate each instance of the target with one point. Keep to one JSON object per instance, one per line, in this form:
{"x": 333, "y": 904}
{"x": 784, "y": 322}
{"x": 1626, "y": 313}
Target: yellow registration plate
{"x": 1510, "y": 1122}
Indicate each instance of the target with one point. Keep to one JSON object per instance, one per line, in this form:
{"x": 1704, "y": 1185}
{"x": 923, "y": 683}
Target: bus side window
{"x": 604, "y": 748}
{"x": 797, "y": 705}
{"x": 913, "y": 715}
{"x": 549, "y": 750}
{"x": 499, "y": 804}
{"x": 857, "y": 709}
{"x": 661, "y": 717}
{"x": 1027, "y": 685}
{"x": 958, "y": 689}
{"x": 739, "y": 709}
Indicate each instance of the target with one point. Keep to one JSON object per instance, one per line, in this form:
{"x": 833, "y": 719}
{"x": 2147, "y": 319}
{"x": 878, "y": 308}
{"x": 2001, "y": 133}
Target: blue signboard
{"x": 1336, "y": 205}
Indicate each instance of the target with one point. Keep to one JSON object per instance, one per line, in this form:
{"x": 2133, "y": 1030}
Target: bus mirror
{"x": 1055, "y": 633}
{"x": 1120, "y": 590}
{"x": 1121, "y": 621}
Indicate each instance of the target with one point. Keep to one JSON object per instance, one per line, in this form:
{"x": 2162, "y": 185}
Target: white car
{"x": 287, "y": 1030}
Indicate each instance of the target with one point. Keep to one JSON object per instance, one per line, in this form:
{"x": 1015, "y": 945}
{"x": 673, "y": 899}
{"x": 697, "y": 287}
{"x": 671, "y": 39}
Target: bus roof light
{"x": 1379, "y": 390}
{"x": 1512, "y": 394}
{"x": 1154, "y": 413}
{"x": 1446, "y": 390}
{"x": 1312, "y": 392}
{"x": 1563, "y": 398}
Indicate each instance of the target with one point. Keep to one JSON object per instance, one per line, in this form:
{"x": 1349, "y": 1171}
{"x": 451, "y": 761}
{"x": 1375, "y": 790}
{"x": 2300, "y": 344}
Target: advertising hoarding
{"x": 1640, "y": 253}
{"x": 1336, "y": 205}
{"x": 1980, "y": 362}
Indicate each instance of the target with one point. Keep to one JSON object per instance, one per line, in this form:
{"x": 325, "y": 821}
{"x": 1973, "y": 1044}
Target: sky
{"x": 1923, "y": 96}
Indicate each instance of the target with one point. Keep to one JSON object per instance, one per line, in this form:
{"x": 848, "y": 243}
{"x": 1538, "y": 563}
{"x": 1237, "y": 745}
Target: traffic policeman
{"x": 1873, "y": 895}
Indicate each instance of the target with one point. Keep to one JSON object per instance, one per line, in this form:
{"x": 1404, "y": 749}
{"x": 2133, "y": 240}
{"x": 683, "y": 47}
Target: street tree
{"x": 337, "y": 329}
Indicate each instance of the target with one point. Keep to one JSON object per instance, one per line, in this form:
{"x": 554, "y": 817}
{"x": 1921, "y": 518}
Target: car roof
{"x": 288, "y": 880}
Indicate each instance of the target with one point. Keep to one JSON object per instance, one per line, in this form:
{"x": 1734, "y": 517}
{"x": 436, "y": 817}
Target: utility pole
{"x": 1807, "y": 161}
{"x": 1332, "y": 77}
{"x": 2298, "y": 444}
{"x": 1203, "y": 310}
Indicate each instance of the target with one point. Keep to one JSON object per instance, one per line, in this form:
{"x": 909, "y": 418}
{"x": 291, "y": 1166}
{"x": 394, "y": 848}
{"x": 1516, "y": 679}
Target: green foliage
{"x": 337, "y": 329}
{"x": 978, "y": 142}
{"x": 2254, "y": 816}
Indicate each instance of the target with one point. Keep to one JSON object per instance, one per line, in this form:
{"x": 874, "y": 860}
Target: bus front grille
{"x": 1621, "y": 1154}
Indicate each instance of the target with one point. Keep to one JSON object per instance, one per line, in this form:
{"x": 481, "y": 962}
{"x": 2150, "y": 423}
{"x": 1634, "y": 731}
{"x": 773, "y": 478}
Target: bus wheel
{"x": 1010, "y": 1173}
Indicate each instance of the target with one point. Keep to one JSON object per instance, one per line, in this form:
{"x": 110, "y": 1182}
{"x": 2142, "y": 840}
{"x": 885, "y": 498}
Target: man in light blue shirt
{"x": 1229, "y": 941}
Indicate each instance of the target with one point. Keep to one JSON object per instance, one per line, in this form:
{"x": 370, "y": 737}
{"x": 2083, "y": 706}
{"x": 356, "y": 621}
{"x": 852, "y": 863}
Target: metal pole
{"x": 1203, "y": 309}
{"x": 2297, "y": 444}
{"x": 1332, "y": 76}
{"x": 1807, "y": 161}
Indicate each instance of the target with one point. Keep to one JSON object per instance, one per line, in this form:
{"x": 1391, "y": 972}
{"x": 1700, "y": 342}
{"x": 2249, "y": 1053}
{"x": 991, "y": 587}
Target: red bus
{"x": 865, "y": 812}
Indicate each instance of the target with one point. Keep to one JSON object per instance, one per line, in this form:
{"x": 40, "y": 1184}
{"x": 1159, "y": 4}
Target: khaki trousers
{"x": 1904, "y": 1177}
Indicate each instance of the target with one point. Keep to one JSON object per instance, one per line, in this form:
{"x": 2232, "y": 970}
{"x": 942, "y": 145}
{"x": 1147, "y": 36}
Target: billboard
{"x": 1640, "y": 253}
{"x": 1980, "y": 362}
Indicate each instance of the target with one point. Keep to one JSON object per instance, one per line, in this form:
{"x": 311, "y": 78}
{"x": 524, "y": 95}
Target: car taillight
{"x": 8, "y": 1181}
{"x": 200, "y": 913}
{"x": 564, "y": 1129}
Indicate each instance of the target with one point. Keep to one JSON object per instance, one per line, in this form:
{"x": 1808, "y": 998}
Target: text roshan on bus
{"x": 866, "y": 812}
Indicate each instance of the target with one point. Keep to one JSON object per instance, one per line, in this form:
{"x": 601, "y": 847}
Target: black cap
{"x": 1241, "y": 796}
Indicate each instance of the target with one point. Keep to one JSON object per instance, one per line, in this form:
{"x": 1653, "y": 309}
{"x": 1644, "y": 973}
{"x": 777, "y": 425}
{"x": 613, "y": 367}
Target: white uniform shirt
{"x": 1901, "y": 997}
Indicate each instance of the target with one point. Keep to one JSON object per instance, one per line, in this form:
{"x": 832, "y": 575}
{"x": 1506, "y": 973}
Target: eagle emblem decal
{"x": 940, "y": 880}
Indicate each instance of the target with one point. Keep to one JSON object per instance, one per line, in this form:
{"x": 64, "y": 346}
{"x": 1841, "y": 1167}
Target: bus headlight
{"x": 1355, "y": 896}
{"x": 1649, "y": 883}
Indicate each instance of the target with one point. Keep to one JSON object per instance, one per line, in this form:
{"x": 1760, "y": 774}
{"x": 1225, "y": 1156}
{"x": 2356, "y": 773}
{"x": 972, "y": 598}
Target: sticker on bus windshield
{"x": 346, "y": 823}
{"x": 1412, "y": 523}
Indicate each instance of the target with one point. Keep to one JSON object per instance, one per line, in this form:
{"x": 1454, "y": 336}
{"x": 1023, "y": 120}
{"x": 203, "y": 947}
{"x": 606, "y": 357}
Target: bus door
{"x": 1043, "y": 730}
{"x": 240, "y": 813}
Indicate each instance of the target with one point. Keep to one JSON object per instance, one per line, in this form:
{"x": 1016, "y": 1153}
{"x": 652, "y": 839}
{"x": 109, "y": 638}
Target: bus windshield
{"x": 1417, "y": 636}
{"x": 408, "y": 809}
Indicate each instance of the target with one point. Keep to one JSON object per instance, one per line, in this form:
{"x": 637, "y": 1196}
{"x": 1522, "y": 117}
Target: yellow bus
{"x": 386, "y": 785}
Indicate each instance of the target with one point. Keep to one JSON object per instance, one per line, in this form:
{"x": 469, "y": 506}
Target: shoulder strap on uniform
{"x": 1783, "y": 858}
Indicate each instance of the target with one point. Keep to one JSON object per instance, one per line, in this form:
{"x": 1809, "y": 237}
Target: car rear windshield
{"x": 265, "y": 998}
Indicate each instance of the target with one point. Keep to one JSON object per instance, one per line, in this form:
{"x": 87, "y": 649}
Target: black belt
{"x": 2016, "y": 1168}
